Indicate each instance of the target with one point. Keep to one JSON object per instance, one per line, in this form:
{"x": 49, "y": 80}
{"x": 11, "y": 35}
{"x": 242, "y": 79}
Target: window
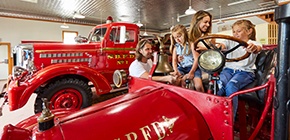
{"x": 115, "y": 35}
{"x": 68, "y": 37}
{"x": 130, "y": 35}
{"x": 98, "y": 35}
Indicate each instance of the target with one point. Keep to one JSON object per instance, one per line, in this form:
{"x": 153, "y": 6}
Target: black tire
{"x": 59, "y": 90}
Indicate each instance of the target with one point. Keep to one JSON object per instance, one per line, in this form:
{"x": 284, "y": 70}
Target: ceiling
{"x": 157, "y": 15}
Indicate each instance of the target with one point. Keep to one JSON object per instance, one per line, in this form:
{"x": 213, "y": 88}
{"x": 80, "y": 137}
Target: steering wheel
{"x": 209, "y": 45}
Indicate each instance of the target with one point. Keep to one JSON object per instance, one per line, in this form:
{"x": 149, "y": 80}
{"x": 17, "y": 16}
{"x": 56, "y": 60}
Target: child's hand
{"x": 180, "y": 58}
{"x": 171, "y": 79}
{"x": 188, "y": 76}
{"x": 175, "y": 73}
{"x": 252, "y": 48}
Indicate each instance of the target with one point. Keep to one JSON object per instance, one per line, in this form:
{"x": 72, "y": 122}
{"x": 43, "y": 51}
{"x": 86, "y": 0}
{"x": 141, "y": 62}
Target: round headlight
{"x": 119, "y": 78}
{"x": 211, "y": 61}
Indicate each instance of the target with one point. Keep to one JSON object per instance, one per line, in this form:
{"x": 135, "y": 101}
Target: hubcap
{"x": 66, "y": 98}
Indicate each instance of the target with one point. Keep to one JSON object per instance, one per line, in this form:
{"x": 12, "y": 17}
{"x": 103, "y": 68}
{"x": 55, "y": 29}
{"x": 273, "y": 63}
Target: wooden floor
{"x": 13, "y": 117}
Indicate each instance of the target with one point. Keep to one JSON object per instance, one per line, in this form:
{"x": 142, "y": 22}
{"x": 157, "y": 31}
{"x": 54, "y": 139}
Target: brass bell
{"x": 163, "y": 65}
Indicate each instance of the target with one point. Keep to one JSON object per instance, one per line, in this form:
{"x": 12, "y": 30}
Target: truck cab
{"x": 67, "y": 74}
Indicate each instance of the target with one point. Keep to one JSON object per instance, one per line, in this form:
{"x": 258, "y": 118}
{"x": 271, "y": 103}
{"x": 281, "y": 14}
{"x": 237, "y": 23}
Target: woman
{"x": 200, "y": 25}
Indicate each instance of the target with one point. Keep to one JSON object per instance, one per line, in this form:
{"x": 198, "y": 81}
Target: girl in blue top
{"x": 187, "y": 67}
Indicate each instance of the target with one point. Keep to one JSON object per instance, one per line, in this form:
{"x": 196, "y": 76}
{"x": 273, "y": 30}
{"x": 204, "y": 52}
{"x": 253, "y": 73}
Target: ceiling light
{"x": 78, "y": 15}
{"x": 32, "y": 1}
{"x": 238, "y": 2}
{"x": 208, "y": 9}
{"x": 64, "y": 26}
{"x": 220, "y": 20}
{"x": 267, "y": 4}
{"x": 145, "y": 33}
{"x": 139, "y": 24}
{"x": 190, "y": 11}
{"x": 178, "y": 18}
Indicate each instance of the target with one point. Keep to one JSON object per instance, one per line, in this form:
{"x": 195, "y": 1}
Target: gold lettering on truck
{"x": 120, "y": 56}
{"x": 117, "y": 56}
{"x": 131, "y": 134}
{"x": 110, "y": 56}
{"x": 121, "y": 62}
{"x": 146, "y": 132}
{"x": 161, "y": 129}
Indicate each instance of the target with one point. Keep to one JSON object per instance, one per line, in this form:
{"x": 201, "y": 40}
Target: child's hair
{"x": 194, "y": 30}
{"x": 246, "y": 24}
{"x": 140, "y": 46}
{"x": 180, "y": 29}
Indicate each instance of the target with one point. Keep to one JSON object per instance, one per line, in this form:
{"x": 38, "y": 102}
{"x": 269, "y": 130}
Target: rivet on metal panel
{"x": 226, "y": 103}
{"x": 226, "y": 122}
{"x": 226, "y": 112}
{"x": 208, "y": 98}
{"x": 216, "y": 101}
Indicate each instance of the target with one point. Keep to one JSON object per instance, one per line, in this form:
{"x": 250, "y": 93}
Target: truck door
{"x": 120, "y": 53}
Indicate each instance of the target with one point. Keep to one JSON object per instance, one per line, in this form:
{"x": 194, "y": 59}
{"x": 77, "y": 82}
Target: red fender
{"x": 11, "y": 132}
{"x": 42, "y": 76}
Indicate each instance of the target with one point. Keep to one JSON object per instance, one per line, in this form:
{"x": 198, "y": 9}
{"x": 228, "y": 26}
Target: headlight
{"x": 119, "y": 78}
{"x": 211, "y": 61}
{"x": 18, "y": 72}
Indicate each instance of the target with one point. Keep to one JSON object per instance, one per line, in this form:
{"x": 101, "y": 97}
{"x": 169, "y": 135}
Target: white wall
{"x": 14, "y": 30}
{"x": 261, "y": 32}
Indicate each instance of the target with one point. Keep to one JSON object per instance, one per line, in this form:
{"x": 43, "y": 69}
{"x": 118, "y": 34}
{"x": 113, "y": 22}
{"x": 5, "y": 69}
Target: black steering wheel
{"x": 210, "y": 45}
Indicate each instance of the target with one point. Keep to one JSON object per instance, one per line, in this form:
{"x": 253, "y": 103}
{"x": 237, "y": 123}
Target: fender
{"x": 52, "y": 71}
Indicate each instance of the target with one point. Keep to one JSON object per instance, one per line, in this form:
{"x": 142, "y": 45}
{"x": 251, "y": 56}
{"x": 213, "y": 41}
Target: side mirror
{"x": 81, "y": 39}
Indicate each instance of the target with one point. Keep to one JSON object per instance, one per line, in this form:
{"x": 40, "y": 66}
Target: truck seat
{"x": 265, "y": 64}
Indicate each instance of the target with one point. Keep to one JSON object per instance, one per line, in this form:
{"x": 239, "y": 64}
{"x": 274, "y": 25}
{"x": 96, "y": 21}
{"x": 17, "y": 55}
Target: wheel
{"x": 213, "y": 46}
{"x": 65, "y": 93}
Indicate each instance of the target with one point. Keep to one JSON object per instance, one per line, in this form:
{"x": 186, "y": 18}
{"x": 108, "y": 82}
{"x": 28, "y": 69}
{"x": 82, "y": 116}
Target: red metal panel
{"x": 158, "y": 114}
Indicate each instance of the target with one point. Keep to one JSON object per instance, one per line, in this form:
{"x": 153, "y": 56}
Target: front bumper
{"x": 11, "y": 92}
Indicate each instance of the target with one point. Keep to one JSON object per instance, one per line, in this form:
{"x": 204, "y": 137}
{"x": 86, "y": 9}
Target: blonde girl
{"x": 237, "y": 75}
{"x": 187, "y": 66}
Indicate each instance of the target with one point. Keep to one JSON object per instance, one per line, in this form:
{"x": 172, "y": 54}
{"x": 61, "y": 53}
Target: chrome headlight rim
{"x": 119, "y": 78}
{"x": 18, "y": 72}
{"x": 211, "y": 61}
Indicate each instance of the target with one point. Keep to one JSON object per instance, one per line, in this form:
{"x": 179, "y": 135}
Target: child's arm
{"x": 194, "y": 65}
{"x": 174, "y": 62}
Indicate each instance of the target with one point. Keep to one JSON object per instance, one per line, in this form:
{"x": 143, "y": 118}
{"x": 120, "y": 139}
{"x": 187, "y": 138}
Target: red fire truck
{"x": 66, "y": 74}
{"x": 154, "y": 110}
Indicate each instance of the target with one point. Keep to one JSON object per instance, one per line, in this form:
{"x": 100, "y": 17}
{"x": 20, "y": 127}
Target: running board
{"x": 119, "y": 89}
